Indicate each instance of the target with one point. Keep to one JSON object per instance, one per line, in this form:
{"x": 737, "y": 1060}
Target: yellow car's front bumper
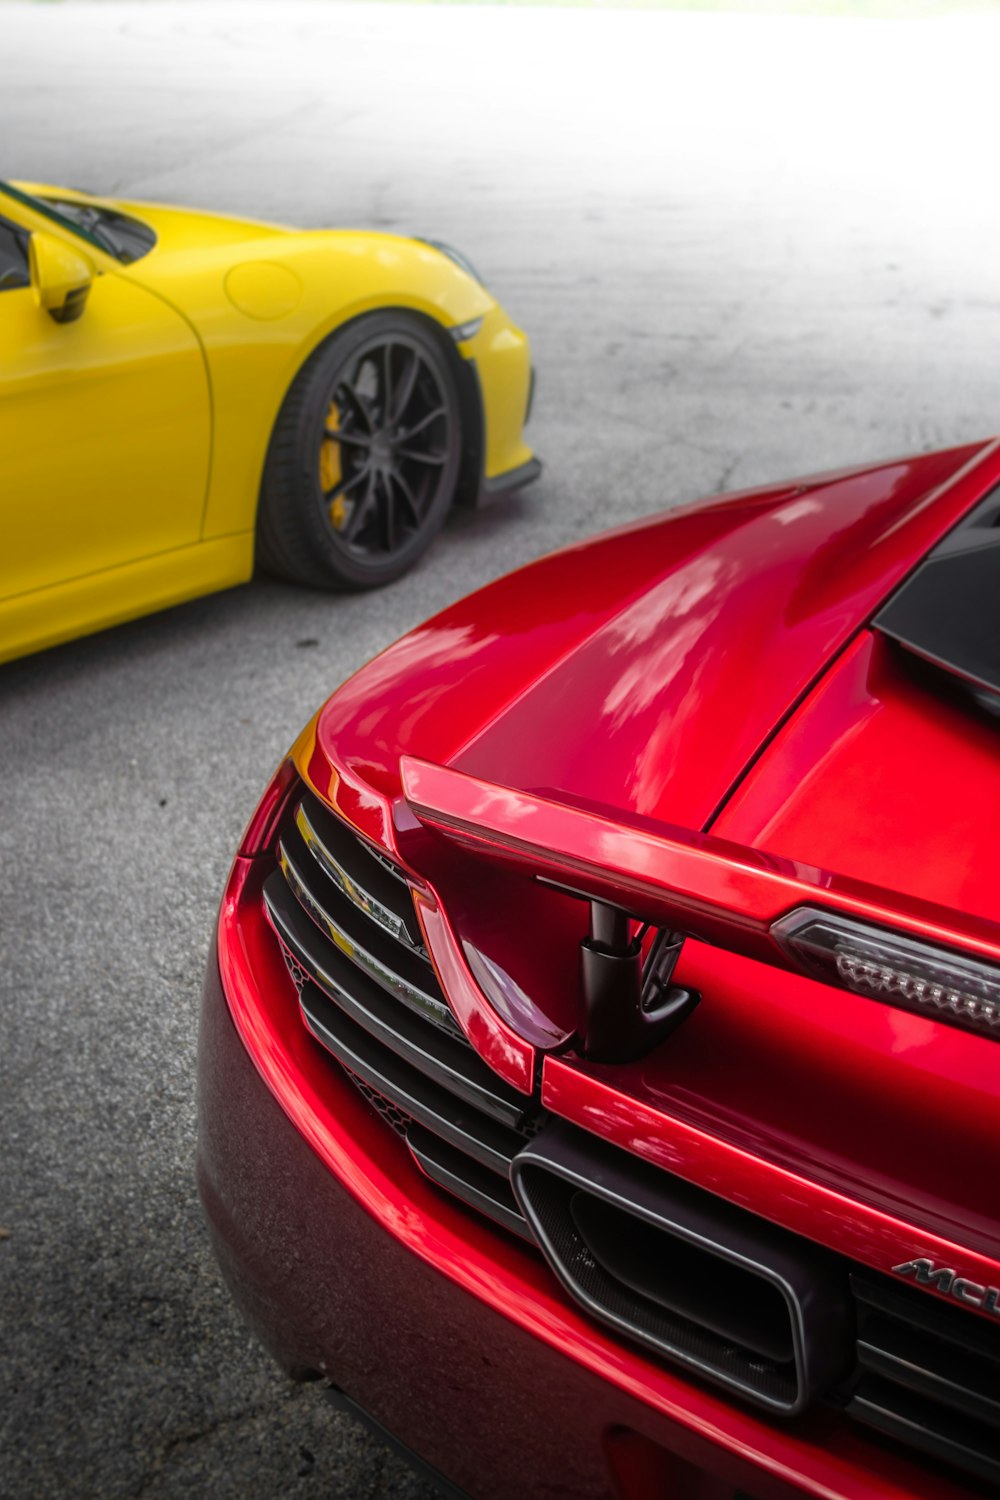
{"x": 499, "y": 356}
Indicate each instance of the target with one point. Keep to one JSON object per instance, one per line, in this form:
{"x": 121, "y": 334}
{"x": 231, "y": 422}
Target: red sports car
{"x": 597, "y": 1070}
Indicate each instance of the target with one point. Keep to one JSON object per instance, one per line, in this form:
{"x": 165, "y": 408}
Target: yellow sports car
{"x": 180, "y": 393}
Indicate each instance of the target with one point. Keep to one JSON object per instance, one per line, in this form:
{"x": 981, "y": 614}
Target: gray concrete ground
{"x": 743, "y": 249}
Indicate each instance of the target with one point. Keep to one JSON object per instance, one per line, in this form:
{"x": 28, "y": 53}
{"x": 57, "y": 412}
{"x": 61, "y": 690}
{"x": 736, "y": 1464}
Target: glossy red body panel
{"x": 690, "y": 717}
{"x": 781, "y": 1094}
{"x": 886, "y": 777}
{"x": 358, "y": 1256}
{"x": 675, "y": 645}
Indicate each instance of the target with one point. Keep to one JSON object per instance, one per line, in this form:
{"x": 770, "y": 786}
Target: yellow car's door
{"x": 105, "y": 430}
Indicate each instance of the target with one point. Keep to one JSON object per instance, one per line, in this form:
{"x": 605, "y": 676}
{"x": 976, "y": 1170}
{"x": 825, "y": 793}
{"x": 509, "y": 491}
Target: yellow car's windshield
{"x": 41, "y": 207}
{"x": 113, "y": 232}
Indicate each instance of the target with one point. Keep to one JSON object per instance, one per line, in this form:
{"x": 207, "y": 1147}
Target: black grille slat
{"x": 903, "y": 1303}
{"x": 445, "y": 1060}
{"x": 938, "y": 1370}
{"x": 415, "y": 1095}
{"x": 485, "y": 1191}
{"x": 930, "y": 1374}
{"x": 400, "y": 972}
{"x": 917, "y": 1422}
{"x": 344, "y": 916}
{"x": 364, "y": 877}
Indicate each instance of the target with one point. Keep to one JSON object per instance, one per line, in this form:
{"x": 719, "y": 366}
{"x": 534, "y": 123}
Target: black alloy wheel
{"x": 364, "y": 458}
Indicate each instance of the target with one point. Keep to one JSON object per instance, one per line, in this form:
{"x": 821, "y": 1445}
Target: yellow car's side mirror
{"x": 60, "y": 277}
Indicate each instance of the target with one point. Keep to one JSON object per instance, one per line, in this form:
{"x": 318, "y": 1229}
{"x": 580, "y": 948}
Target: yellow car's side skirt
{"x": 44, "y": 617}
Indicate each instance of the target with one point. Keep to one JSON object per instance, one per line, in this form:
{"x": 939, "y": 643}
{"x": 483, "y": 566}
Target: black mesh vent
{"x": 393, "y": 1116}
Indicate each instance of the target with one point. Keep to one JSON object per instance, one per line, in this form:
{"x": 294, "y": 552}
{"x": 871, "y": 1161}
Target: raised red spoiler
{"x": 725, "y": 893}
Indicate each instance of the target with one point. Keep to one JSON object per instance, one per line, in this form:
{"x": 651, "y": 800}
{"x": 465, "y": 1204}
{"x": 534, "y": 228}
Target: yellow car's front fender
{"x": 261, "y": 306}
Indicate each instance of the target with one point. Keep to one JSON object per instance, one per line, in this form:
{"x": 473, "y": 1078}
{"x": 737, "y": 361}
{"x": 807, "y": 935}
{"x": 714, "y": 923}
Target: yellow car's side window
{"x": 13, "y": 257}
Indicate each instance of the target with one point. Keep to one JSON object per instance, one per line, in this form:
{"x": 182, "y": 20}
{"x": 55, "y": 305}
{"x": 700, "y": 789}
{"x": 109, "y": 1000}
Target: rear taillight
{"x": 900, "y": 971}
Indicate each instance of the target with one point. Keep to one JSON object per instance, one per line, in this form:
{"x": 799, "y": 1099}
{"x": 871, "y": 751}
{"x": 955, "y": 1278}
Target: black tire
{"x": 364, "y": 457}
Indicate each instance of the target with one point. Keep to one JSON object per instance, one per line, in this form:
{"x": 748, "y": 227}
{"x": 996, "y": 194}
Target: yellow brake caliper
{"x": 330, "y": 468}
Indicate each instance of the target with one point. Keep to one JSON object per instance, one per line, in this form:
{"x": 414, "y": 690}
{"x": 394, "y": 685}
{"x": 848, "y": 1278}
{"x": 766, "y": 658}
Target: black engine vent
{"x": 930, "y": 1375}
{"x": 745, "y": 1304}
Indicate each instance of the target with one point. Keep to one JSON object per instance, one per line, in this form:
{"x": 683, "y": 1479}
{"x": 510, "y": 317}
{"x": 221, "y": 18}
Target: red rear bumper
{"x": 453, "y": 1335}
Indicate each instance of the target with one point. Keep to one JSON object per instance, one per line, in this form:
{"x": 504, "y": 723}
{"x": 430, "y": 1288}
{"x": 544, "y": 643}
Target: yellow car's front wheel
{"x": 364, "y": 458}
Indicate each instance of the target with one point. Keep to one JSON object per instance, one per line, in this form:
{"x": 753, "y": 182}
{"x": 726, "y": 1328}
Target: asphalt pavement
{"x": 744, "y": 249}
